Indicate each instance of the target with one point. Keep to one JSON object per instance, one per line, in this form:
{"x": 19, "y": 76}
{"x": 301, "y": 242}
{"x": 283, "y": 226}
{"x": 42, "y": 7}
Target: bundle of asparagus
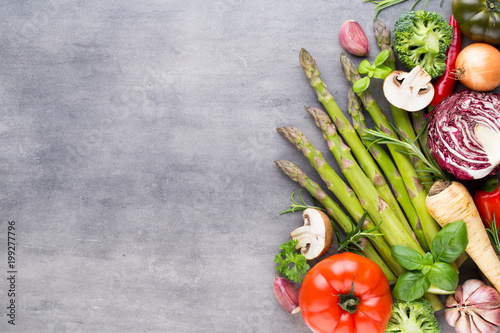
{"x": 401, "y": 213}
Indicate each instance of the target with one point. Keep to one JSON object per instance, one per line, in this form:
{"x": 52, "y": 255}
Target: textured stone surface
{"x": 137, "y": 141}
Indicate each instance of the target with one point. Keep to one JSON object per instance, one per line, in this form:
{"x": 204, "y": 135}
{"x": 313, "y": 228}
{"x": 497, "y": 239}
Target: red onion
{"x": 464, "y": 134}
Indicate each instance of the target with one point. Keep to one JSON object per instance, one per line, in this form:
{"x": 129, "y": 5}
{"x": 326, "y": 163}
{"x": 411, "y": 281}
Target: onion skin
{"x": 477, "y": 67}
{"x": 450, "y": 136}
{"x": 475, "y": 307}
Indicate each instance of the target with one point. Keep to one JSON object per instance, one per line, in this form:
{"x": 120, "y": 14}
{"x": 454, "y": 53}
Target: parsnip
{"x": 449, "y": 201}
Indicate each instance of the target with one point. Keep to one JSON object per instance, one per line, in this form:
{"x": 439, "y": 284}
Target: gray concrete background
{"x": 137, "y": 144}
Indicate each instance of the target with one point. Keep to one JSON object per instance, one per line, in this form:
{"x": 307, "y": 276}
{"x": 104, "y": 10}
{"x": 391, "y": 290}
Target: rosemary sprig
{"x": 296, "y": 206}
{"x": 410, "y": 148}
{"x": 351, "y": 242}
{"x": 382, "y": 4}
{"x": 493, "y": 231}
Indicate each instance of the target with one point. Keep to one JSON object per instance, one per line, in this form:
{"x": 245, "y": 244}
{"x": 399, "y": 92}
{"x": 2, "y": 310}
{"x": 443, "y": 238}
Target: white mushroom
{"x": 315, "y": 236}
{"x": 411, "y": 91}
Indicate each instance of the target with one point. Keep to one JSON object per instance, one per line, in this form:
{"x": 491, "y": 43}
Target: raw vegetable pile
{"x": 398, "y": 214}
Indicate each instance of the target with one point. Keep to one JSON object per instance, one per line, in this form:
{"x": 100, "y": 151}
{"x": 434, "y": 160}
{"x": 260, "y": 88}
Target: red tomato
{"x": 328, "y": 284}
{"x": 487, "y": 201}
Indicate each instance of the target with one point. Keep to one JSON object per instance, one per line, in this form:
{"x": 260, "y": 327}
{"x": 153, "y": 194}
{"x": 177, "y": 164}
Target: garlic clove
{"x": 482, "y": 325}
{"x": 468, "y": 289}
{"x": 353, "y": 39}
{"x": 451, "y": 313}
{"x": 484, "y": 294}
{"x": 463, "y": 325}
{"x": 287, "y": 294}
{"x": 491, "y": 316}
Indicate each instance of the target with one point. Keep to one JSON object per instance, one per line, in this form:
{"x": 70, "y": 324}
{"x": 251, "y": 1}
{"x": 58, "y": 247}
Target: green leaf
{"x": 382, "y": 72}
{"x": 361, "y": 85}
{"x": 428, "y": 259}
{"x": 450, "y": 242}
{"x": 291, "y": 264}
{"x": 410, "y": 286}
{"x": 381, "y": 58}
{"x": 407, "y": 257}
{"x": 443, "y": 276}
{"x": 364, "y": 67}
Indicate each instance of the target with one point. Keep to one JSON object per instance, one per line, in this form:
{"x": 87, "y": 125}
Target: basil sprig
{"x": 432, "y": 268}
{"x": 377, "y": 70}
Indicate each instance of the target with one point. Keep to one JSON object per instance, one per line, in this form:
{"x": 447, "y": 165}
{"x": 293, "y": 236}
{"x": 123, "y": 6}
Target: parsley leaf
{"x": 291, "y": 264}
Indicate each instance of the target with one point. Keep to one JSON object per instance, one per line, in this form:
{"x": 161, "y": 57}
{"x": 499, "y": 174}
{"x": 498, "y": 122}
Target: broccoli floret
{"x": 413, "y": 317}
{"x": 422, "y": 38}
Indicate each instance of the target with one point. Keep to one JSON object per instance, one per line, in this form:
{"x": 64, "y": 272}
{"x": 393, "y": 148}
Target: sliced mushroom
{"x": 315, "y": 236}
{"x": 411, "y": 91}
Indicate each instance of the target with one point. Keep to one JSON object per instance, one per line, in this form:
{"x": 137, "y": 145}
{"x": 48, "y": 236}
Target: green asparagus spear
{"x": 387, "y": 165}
{"x": 345, "y": 129}
{"x": 364, "y": 189}
{"x": 338, "y": 215}
{"x": 371, "y": 200}
{"x": 401, "y": 117}
{"x": 416, "y": 191}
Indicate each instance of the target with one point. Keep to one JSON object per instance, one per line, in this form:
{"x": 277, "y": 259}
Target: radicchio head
{"x": 464, "y": 134}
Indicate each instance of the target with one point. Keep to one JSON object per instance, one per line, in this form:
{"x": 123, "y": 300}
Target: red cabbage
{"x": 464, "y": 134}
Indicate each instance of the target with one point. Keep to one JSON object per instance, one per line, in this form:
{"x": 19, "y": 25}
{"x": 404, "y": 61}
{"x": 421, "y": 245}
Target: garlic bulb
{"x": 475, "y": 308}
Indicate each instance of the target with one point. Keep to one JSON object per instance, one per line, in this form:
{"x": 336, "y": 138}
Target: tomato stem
{"x": 492, "y": 6}
{"x": 348, "y": 302}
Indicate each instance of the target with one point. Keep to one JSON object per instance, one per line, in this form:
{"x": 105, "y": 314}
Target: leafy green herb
{"x": 291, "y": 264}
{"x": 410, "y": 148}
{"x": 302, "y": 205}
{"x": 443, "y": 276}
{"x": 377, "y": 70}
{"x": 432, "y": 268}
{"x": 382, "y": 4}
{"x": 493, "y": 233}
{"x": 352, "y": 241}
{"x": 450, "y": 242}
{"x": 411, "y": 286}
{"x": 407, "y": 257}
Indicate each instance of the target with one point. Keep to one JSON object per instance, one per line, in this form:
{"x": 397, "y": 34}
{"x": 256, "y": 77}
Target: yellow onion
{"x": 477, "y": 67}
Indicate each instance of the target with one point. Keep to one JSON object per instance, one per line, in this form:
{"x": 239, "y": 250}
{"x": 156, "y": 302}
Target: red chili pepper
{"x": 445, "y": 84}
{"x": 487, "y": 201}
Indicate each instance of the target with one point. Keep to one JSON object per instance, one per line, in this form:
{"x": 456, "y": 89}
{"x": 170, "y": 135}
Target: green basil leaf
{"x": 364, "y": 67}
{"x": 407, "y": 257}
{"x": 450, "y": 242}
{"x": 443, "y": 276}
{"x": 428, "y": 259}
{"x": 361, "y": 85}
{"x": 382, "y": 72}
{"x": 410, "y": 286}
{"x": 381, "y": 58}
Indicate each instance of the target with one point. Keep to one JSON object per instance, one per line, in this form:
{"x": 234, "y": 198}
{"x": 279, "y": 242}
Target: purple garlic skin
{"x": 474, "y": 308}
{"x": 287, "y": 294}
{"x": 353, "y": 39}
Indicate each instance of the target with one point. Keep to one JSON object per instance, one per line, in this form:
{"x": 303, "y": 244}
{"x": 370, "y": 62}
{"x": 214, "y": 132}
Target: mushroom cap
{"x": 411, "y": 91}
{"x": 315, "y": 236}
